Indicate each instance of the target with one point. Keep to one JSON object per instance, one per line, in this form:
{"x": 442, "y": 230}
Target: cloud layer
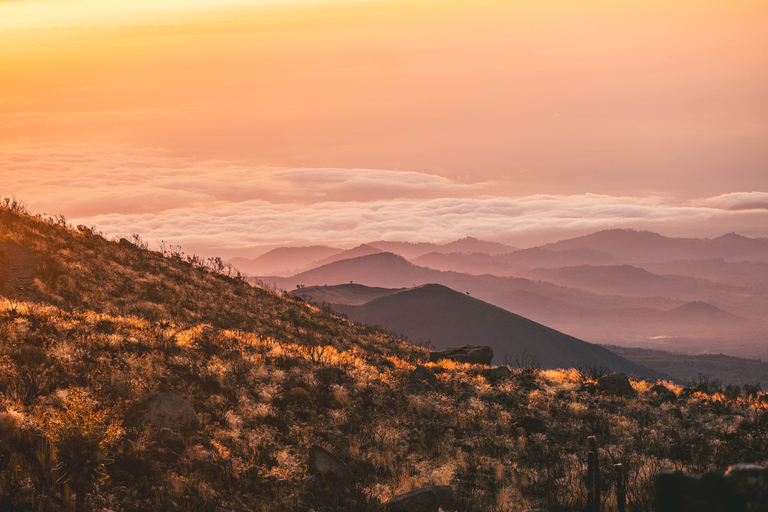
{"x": 232, "y": 208}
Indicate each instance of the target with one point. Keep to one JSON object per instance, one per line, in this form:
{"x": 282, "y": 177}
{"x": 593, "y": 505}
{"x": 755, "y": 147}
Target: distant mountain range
{"x": 440, "y": 317}
{"x": 613, "y": 286}
{"x": 630, "y": 246}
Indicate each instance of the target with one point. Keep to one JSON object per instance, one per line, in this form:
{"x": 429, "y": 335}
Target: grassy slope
{"x": 118, "y": 322}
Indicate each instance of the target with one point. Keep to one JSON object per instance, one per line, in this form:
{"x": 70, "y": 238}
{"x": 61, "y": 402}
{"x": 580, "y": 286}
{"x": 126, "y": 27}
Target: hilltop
{"x": 436, "y": 315}
{"x": 262, "y": 379}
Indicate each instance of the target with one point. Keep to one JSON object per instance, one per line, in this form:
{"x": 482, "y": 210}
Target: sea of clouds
{"x": 233, "y": 208}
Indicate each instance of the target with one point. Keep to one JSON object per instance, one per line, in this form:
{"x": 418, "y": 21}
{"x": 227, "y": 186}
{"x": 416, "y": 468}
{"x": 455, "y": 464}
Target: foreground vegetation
{"x": 269, "y": 376}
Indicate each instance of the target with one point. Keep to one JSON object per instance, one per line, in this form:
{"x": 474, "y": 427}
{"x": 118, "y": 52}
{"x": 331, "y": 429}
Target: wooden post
{"x": 621, "y": 496}
{"x": 593, "y": 477}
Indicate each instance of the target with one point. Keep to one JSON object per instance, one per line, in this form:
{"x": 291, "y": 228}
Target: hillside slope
{"x": 261, "y": 378}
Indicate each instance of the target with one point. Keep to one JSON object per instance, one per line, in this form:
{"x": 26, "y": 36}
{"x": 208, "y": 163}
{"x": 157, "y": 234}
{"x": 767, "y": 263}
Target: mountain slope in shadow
{"x": 441, "y": 317}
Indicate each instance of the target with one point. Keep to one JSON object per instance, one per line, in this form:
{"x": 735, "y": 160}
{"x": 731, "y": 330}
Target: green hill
{"x": 91, "y": 329}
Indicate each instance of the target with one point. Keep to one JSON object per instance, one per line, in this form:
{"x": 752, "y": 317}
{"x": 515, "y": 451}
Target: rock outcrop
{"x": 617, "y": 385}
{"x": 426, "y": 499}
{"x": 465, "y": 354}
{"x": 743, "y": 488}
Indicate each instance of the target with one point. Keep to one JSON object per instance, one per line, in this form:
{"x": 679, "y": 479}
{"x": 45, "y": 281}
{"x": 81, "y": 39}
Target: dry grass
{"x": 119, "y": 321}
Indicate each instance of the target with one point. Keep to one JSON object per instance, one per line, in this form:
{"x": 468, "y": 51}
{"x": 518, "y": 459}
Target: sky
{"x": 234, "y": 126}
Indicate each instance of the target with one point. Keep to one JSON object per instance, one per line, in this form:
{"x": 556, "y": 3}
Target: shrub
{"x": 80, "y": 435}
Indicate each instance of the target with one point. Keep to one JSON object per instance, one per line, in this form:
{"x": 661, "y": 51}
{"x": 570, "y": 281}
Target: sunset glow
{"x": 642, "y": 102}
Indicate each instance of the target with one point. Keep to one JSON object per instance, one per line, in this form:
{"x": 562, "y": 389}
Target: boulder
{"x": 617, "y": 385}
{"x": 496, "y": 374}
{"x": 423, "y": 375}
{"x": 327, "y": 465}
{"x": 426, "y": 499}
{"x": 161, "y": 409}
{"x": 663, "y": 393}
{"x": 744, "y": 487}
{"x": 171, "y": 440}
{"x": 751, "y": 482}
{"x": 445, "y": 497}
{"x": 465, "y": 354}
{"x": 420, "y": 500}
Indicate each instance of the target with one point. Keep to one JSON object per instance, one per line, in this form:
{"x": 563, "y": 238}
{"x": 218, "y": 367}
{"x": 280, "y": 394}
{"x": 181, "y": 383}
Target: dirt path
{"x": 18, "y": 271}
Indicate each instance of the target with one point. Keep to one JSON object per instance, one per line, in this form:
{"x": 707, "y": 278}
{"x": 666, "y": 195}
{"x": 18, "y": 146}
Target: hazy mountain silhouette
{"x": 463, "y": 246}
{"x": 355, "y": 252}
{"x": 627, "y": 280}
{"x": 283, "y": 259}
{"x": 512, "y": 263}
{"x": 702, "y": 312}
{"x": 742, "y": 273}
{"x": 445, "y": 318}
{"x": 630, "y": 246}
{"x": 616, "y": 319}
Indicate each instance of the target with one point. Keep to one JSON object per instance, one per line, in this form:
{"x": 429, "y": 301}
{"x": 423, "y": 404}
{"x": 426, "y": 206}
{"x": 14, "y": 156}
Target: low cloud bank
{"x": 232, "y": 208}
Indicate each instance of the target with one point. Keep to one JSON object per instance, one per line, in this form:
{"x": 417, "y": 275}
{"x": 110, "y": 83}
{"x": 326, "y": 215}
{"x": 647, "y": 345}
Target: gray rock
{"x": 664, "y": 393}
{"x": 327, "y": 465}
{"x": 161, "y": 409}
{"x": 171, "y": 440}
{"x": 751, "y": 482}
{"x": 445, "y": 497}
{"x": 496, "y": 374}
{"x": 617, "y": 385}
{"x": 465, "y": 354}
{"x": 423, "y": 375}
{"x": 420, "y": 500}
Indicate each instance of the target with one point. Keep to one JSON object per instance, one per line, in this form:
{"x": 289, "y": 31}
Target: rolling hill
{"x": 438, "y": 316}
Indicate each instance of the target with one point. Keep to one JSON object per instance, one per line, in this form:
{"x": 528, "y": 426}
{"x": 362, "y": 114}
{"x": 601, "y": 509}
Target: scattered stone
{"x": 664, "y": 393}
{"x": 423, "y": 375}
{"x": 330, "y": 375}
{"x": 465, "y": 354}
{"x": 420, "y": 500}
{"x": 496, "y": 374}
{"x": 324, "y": 463}
{"x": 161, "y": 409}
{"x": 617, "y": 385}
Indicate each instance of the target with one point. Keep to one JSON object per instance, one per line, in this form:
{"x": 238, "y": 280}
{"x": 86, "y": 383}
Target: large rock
{"x": 744, "y": 487}
{"x": 161, "y": 409}
{"x": 617, "y": 385}
{"x": 423, "y": 375}
{"x": 426, "y": 499}
{"x": 327, "y": 465}
{"x": 420, "y": 500}
{"x": 496, "y": 374}
{"x": 465, "y": 354}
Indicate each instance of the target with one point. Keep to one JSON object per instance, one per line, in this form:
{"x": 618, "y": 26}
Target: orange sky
{"x": 488, "y": 99}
